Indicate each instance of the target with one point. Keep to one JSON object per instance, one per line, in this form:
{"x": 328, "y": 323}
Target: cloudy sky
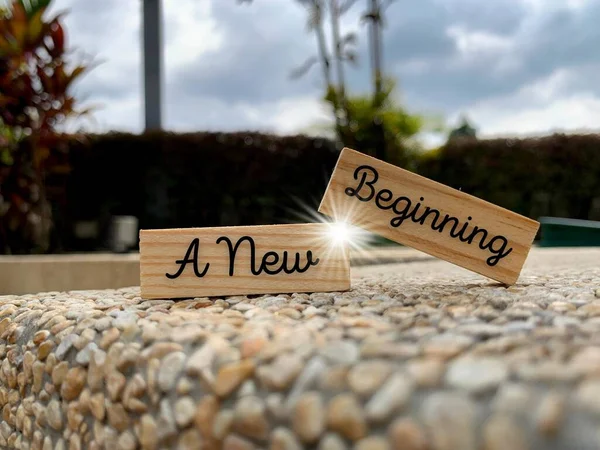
{"x": 516, "y": 67}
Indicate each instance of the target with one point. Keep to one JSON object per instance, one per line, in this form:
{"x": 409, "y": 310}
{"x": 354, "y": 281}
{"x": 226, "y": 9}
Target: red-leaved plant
{"x": 35, "y": 100}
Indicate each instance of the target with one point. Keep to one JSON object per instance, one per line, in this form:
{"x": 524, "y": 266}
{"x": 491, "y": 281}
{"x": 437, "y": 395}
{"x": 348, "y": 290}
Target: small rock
{"x": 84, "y": 401}
{"x": 341, "y": 352}
{"x": 372, "y": 443}
{"x": 109, "y": 337}
{"x": 480, "y": 330}
{"x": 83, "y": 357}
{"x": 126, "y": 441}
{"x": 345, "y": 416}
{"x": 206, "y": 411}
{"x": 550, "y": 413}
{"x": 74, "y": 416}
{"x": 233, "y": 442}
{"x": 392, "y": 397}
{"x": 231, "y": 375}
{"x": 513, "y": 398}
{"x": 275, "y": 406}
{"x": 75, "y": 442}
{"x": 128, "y": 358}
{"x": 40, "y": 336}
{"x": 65, "y": 345}
{"x": 44, "y": 350}
{"x": 547, "y": 371}
{"x": 335, "y": 378}
{"x": 185, "y": 408}
{"x": 406, "y": 434}
{"x": 309, "y": 376}
{"x": 148, "y": 433}
{"x": 308, "y": 417}
{"x": 250, "y": 417}
{"x": 450, "y": 421}
{"x": 476, "y": 375}
{"x": 281, "y": 373}
{"x": 501, "y": 432}
{"x": 290, "y": 312}
{"x": 95, "y": 379}
{"x": 170, "y": 368}
{"x": 364, "y": 378}
{"x": 284, "y": 439}
{"x": 54, "y": 415}
{"x": 426, "y": 372}
{"x": 190, "y": 440}
{"x": 97, "y": 405}
{"x": 201, "y": 359}
{"x": 184, "y": 386}
{"x": 73, "y": 384}
{"x": 587, "y": 395}
{"x": 28, "y": 360}
{"x": 252, "y": 345}
{"x": 118, "y": 417}
{"x": 587, "y": 361}
{"x": 311, "y": 311}
{"x": 115, "y": 383}
{"x": 446, "y": 345}
{"x": 166, "y": 422}
{"x": 135, "y": 388}
{"x": 332, "y": 441}
{"x": 38, "y": 375}
{"x": 222, "y": 424}
{"x": 160, "y": 349}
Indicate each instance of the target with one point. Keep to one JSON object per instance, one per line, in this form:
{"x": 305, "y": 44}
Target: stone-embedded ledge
{"x": 43, "y": 273}
{"x": 400, "y": 362}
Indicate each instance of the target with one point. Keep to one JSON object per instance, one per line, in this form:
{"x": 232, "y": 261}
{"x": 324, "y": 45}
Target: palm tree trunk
{"x": 376, "y": 50}
{"x": 326, "y": 65}
{"x": 339, "y": 65}
{"x": 376, "y": 63}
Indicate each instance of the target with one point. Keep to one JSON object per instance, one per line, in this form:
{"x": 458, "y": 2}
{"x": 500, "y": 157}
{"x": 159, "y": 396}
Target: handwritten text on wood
{"x": 429, "y": 216}
{"x": 204, "y": 262}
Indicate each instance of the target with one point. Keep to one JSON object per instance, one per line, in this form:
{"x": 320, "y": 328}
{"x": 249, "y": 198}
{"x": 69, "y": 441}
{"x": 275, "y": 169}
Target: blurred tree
{"x": 396, "y": 133}
{"x": 464, "y": 130}
{"x": 35, "y": 80}
{"x": 370, "y": 123}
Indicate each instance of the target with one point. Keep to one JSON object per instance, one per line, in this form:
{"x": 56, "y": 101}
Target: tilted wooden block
{"x": 436, "y": 219}
{"x": 270, "y": 259}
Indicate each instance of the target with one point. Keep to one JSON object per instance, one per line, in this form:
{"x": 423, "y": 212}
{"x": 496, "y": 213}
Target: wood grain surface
{"x": 428, "y": 216}
{"x": 207, "y": 262}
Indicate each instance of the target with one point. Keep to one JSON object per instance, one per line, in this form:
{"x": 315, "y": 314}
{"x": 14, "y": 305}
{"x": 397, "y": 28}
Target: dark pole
{"x": 376, "y": 62}
{"x": 152, "y": 64}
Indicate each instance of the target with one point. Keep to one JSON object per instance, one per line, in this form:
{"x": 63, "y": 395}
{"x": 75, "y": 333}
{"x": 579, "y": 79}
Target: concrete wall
{"x": 43, "y": 273}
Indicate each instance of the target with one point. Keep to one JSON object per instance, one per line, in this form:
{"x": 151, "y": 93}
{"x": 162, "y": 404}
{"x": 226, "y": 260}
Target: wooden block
{"x": 431, "y": 217}
{"x": 273, "y": 259}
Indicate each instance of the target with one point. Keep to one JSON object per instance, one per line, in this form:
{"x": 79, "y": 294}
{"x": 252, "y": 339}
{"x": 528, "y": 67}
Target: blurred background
{"x": 128, "y": 114}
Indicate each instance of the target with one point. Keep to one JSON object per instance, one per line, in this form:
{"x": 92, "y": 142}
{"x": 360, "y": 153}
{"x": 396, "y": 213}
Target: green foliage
{"x": 557, "y": 175}
{"x": 383, "y": 122}
{"x": 464, "y": 130}
{"x": 171, "y": 180}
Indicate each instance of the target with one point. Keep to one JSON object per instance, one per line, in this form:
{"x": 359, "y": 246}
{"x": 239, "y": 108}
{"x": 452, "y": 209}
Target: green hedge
{"x": 194, "y": 180}
{"x": 557, "y": 175}
{"x": 212, "y": 179}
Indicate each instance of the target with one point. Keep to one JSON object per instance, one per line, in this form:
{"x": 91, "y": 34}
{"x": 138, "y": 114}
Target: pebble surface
{"x": 420, "y": 359}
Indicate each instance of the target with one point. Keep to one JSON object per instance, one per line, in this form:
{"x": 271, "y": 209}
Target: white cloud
{"x": 548, "y": 105}
{"x": 513, "y": 94}
{"x": 190, "y": 31}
